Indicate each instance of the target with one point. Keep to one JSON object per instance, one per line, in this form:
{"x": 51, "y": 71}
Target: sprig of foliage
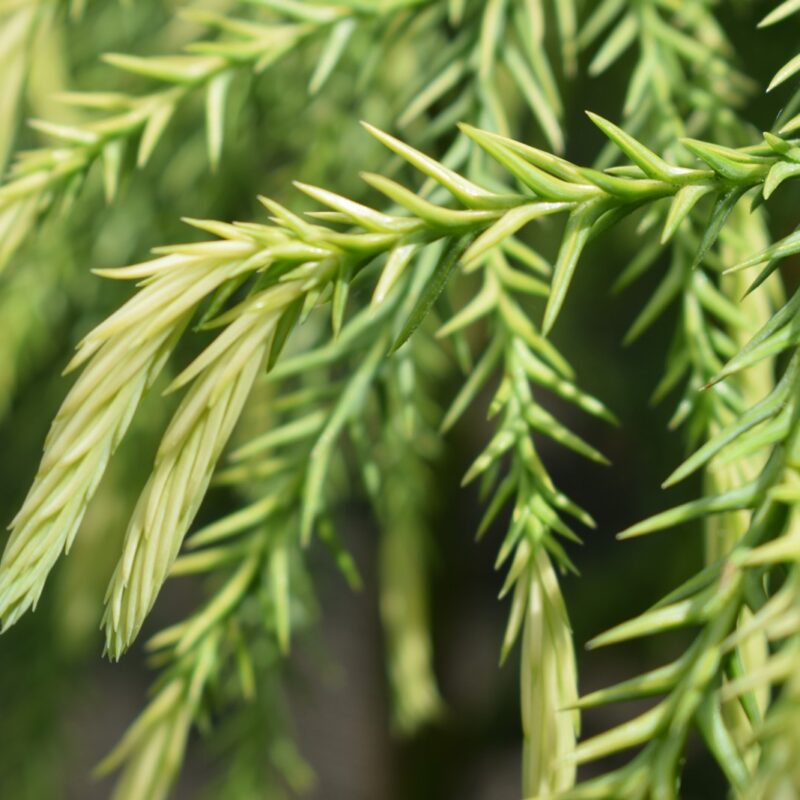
{"x": 686, "y": 57}
{"x": 496, "y": 42}
{"x": 712, "y": 686}
{"x": 397, "y": 455}
{"x": 697, "y": 684}
{"x": 130, "y": 121}
{"x": 684, "y": 81}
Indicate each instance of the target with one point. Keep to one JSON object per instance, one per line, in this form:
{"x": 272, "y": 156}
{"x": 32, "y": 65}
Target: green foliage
{"x": 321, "y": 343}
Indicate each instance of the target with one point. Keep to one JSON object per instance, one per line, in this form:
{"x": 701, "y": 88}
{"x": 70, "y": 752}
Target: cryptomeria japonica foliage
{"x": 328, "y": 348}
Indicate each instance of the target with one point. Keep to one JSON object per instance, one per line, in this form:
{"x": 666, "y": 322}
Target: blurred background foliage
{"x": 60, "y": 704}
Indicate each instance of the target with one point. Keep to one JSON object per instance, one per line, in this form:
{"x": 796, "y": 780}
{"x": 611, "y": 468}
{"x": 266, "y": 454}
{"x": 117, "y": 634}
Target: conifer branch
{"x": 259, "y": 282}
{"x": 397, "y": 456}
{"x": 413, "y": 677}
{"x": 720, "y": 685}
{"x": 297, "y": 261}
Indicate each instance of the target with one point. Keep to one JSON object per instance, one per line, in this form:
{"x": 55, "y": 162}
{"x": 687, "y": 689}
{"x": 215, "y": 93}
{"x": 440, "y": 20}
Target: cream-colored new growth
{"x": 185, "y": 461}
{"x": 126, "y": 352}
